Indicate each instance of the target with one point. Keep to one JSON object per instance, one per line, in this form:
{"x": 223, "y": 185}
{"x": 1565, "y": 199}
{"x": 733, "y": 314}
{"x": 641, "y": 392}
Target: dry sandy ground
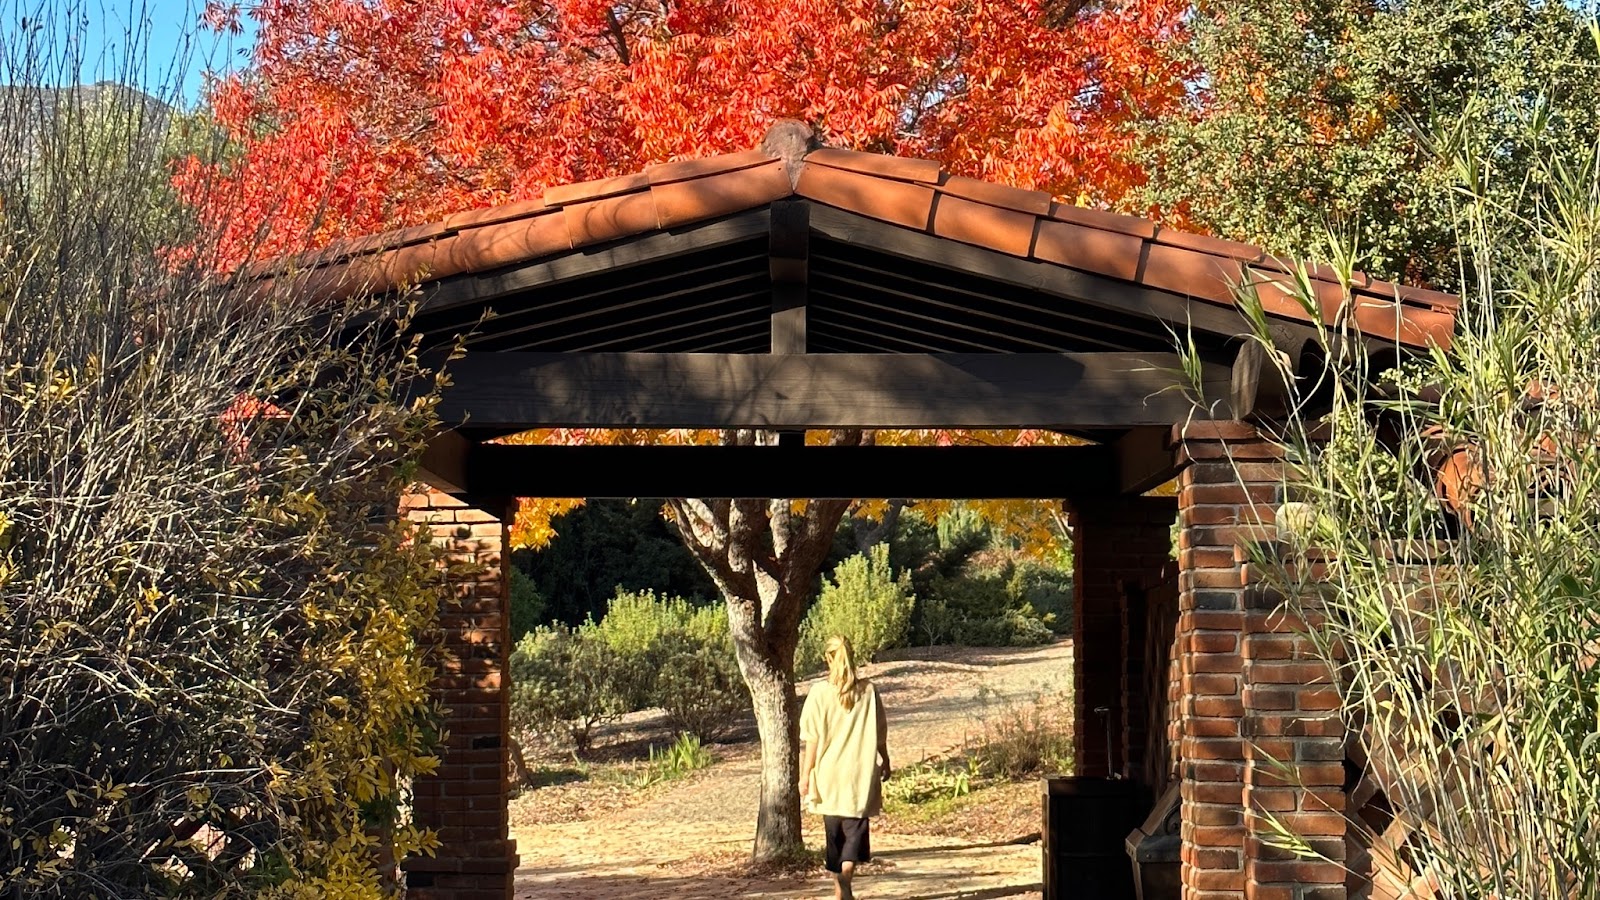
{"x": 687, "y": 840}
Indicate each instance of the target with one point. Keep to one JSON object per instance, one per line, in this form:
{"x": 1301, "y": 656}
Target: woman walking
{"x": 844, "y": 761}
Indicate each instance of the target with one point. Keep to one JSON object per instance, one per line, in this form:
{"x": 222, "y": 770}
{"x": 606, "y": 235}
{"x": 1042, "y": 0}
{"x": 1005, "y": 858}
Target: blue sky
{"x": 154, "y": 44}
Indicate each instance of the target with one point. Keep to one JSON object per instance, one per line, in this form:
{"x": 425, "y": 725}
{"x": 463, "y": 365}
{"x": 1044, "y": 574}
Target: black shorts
{"x": 848, "y": 840}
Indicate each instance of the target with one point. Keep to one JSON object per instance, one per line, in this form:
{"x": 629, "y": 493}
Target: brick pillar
{"x": 1117, "y": 541}
{"x": 466, "y": 801}
{"x": 1255, "y": 714}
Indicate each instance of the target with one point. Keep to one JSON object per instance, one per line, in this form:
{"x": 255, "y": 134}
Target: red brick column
{"x": 1256, "y": 734}
{"x": 466, "y": 801}
{"x": 1117, "y": 541}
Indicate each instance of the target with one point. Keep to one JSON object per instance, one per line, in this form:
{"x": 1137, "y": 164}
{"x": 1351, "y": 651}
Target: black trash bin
{"x": 1085, "y": 823}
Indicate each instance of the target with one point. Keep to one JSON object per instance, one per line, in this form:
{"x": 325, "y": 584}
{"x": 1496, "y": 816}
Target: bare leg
{"x": 841, "y": 888}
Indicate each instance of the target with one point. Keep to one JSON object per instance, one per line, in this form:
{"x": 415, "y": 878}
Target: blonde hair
{"x": 841, "y": 658}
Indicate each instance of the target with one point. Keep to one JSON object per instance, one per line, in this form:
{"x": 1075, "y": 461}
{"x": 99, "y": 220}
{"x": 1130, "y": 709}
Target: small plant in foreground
{"x": 678, "y": 759}
{"x": 929, "y": 781}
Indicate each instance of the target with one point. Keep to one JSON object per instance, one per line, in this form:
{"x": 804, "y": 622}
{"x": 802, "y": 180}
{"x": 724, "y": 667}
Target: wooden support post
{"x": 790, "y": 265}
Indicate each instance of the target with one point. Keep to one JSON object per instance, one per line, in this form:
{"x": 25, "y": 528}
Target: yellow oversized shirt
{"x": 846, "y": 779}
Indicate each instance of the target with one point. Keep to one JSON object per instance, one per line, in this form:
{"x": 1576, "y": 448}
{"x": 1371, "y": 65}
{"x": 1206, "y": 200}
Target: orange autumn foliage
{"x": 356, "y": 116}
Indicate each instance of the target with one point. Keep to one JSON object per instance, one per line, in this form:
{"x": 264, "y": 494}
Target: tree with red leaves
{"x": 356, "y": 116}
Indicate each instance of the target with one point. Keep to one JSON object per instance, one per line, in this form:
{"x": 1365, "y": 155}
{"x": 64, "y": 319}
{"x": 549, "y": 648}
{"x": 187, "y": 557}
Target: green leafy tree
{"x": 1313, "y": 115}
{"x": 607, "y": 545}
{"x": 527, "y": 605}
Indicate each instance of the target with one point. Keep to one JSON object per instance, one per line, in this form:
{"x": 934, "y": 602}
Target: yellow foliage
{"x": 369, "y": 741}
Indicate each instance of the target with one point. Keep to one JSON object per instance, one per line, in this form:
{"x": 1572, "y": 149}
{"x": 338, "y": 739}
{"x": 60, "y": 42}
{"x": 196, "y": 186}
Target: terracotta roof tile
{"x": 1005, "y": 230}
{"x": 891, "y": 201}
{"x": 1099, "y": 218}
{"x": 1319, "y": 271}
{"x": 611, "y": 218}
{"x": 1276, "y": 291}
{"x": 900, "y": 168}
{"x": 1090, "y": 249}
{"x": 1414, "y": 295}
{"x": 490, "y": 247}
{"x": 910, "y": 193}
{"x": 683, "y": 169}
{"x": 494, "y": 215}
{"x": 1207, "y": 244}
{"x": 1189, "y": 272}
{"x": 348, "y": 249}
{"x": 1007, "y": 197}
{"x": 681, "y": 202}
{"x": 561, "y": 195}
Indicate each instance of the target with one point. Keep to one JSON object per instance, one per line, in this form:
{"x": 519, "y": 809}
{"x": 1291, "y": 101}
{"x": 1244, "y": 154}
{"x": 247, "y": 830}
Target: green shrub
{"x": 564, "y": 680}
{"x": 667, "y": 652}
{"x": 527, "y": 604}
{"x": 698, "y": 684}
{"x": 1046, "y": 589}
{"x": 993, "y": 607}
{"x": 865, "y": 603}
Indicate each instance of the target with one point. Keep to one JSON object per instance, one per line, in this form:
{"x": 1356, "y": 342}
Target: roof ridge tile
{"x": 1205, "y": 243}
{"x": 700, "y": 166}
{"x": 599, "y": 188}
{"x": 903, "y": 203}
{"x": 1102, "y": 219}
{"x": 991, "y": 193}
{"x": 495, "y": 215}
{"x": 899, "y": 168}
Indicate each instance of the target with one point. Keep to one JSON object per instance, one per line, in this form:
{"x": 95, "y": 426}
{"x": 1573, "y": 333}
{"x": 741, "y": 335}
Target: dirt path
{"x": 683, "y": 839}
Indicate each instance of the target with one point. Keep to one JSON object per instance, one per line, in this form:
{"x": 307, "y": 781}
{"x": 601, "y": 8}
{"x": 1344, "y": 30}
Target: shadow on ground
{"x": 713, "y": 887}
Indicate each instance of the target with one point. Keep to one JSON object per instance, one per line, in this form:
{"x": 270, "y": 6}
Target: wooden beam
{"x": 975, "y": 473}
{"x": 832, "y": 390}
{"x": 463, "y": 289}
{"x": 789, "y": 245}
{"x": 1144, "y": 460}
{"x": 444, "y": 462}
{"x": 1257, "y": 389}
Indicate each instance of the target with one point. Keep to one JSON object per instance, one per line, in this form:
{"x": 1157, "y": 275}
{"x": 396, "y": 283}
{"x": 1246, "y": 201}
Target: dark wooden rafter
{"x": 444, "y": 462}
{"x": 854, "y": 277}
{"x": 1108, "y": 294}
{"x": 1257, "y": 387}
{"x": 800, "y": 391}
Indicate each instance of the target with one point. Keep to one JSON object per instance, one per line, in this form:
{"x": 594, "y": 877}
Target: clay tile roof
{"x": 910, "y": 193}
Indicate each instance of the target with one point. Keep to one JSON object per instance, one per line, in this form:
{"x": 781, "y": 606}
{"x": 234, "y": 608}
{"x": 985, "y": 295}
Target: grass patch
{"x": 683, "y": 756}
{"x": 1019, "y": 741}
{"x": 549, "y": 776}
{"x": 1023, "y": 740}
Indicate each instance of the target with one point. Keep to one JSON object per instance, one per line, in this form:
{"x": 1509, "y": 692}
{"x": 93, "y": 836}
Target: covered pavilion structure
{"x": 797, "y": 287}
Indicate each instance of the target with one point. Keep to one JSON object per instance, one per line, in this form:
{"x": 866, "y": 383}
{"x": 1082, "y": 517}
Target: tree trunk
{"x": 763, "y": 556}
{"x": 778, "y": 722}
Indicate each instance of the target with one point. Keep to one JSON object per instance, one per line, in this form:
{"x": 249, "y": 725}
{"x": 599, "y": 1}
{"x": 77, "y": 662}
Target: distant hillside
{"x": 28, "y": 114}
